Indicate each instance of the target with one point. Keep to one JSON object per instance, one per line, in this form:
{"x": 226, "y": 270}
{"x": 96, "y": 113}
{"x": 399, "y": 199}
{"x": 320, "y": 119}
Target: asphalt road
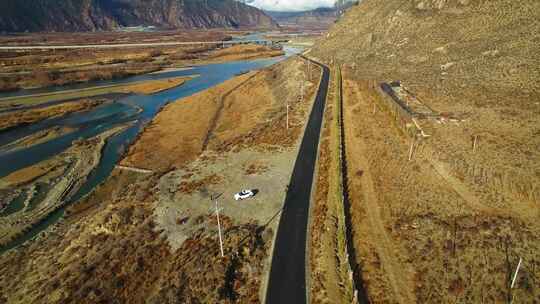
{"x": 287, "y": 282}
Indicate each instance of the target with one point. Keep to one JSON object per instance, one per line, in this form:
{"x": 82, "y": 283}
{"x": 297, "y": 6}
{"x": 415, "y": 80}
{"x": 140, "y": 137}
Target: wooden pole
{"x": 516, "y": 273}
{"x": 302, "y": 90}
{"x": 309, "y": 69}
{"x": 411, "y": 150}
{"x": 219, "y": 231}
{"x": 514, "y": 281}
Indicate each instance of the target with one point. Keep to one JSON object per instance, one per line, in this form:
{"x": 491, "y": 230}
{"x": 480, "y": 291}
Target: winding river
{"x": 139, "y": 109}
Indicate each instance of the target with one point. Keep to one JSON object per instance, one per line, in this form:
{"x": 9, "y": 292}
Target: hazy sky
{"x": 290, "y": 5}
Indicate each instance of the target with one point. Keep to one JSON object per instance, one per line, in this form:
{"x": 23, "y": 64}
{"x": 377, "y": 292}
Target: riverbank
{"x": 27, "y": 69}
{"x": 158, "y": 229}
{"x": 37, "y": 138}
{"x": 140, "y": 87}
{"x": 27, "y": 117}
{"x": 43, "y": 68}
{"x": 128, "y": 108}
{"x": 175, "y": 123}
{"x": 241, "y": 52}
{"x": 65, "y": 174}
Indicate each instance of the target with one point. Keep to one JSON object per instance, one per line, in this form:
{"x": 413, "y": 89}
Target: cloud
{"x": 290, "y": 5}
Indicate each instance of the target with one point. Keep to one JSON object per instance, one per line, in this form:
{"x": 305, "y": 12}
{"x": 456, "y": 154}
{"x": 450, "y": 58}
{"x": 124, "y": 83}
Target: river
{"x": 139, "y": 109}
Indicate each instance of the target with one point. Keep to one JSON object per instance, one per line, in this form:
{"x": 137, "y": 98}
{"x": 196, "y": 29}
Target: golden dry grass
{"x": 154, "y": 86}
{"x": 235, "y": 113}
{"x": 32, "y": 116}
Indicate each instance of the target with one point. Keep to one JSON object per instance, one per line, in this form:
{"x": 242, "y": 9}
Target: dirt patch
{"x": 255, "y": 168}
{"x": 324, "y": 270}
{"x": 189, "y": 187}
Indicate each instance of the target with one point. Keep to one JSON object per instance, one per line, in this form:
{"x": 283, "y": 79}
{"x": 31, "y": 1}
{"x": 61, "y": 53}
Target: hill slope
{"x": 319, "y": 18}
{"x": 443, "y": 218}
{"x": 91, "y": 15}
{"x": 494, "y": 43}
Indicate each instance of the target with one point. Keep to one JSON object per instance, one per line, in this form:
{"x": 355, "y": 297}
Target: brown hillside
{"x": 447, "y": 220}
{"x": 492, "y": 44}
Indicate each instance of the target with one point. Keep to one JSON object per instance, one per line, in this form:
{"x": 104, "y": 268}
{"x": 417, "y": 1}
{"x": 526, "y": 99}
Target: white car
{"x": 244, "y": 194}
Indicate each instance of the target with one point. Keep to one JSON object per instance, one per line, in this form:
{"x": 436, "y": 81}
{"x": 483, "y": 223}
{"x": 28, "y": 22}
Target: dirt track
{"x": 361, "y": 187}
{"x": 420, "y": 228}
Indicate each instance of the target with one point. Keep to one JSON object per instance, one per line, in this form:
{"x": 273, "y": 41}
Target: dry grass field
{"x": 26, "y": 117}
{"x": 451, "y": 224}
{"x": 152, "y": 238}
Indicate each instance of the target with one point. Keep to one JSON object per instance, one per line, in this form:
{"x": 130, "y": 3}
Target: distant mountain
{"x": 93, "y": 15}
{"x": 320, "y": 18}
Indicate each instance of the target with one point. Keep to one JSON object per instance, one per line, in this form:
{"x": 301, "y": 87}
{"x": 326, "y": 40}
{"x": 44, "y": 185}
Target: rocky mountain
{"x": 94, "y": 15}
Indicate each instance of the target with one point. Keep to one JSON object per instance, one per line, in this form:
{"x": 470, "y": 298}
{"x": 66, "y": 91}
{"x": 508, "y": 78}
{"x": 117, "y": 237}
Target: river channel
{"x": 137, "y": 109}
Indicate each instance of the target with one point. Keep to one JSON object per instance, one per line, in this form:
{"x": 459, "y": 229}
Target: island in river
{"x": 57, "y": 144}
{"x": 152, "y": 221}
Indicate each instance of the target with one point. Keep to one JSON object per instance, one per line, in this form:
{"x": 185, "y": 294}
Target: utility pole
{"x": 219, "y": 229}
{"x": 514, "y": 280}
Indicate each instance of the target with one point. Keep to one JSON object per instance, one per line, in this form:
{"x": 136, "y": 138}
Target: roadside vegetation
{"x": 331, "y": 274}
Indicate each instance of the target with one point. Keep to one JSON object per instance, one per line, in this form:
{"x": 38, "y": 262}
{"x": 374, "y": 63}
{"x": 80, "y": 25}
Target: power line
{"x": 219, "y": 224}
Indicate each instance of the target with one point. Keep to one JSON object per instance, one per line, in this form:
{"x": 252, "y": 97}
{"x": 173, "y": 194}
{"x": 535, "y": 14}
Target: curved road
{"x": 287, "y": 282}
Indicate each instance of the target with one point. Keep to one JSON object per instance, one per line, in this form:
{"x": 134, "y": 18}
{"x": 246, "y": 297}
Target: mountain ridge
{"x": 322, "y": 17}
{"x": 97, "y": 15}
